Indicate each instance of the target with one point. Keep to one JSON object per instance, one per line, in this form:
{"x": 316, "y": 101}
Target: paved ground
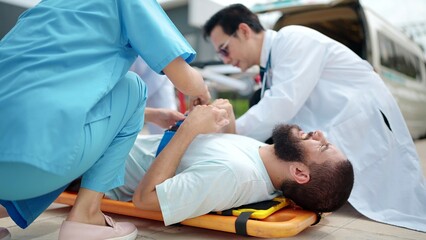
{"x": 346, "y": 223}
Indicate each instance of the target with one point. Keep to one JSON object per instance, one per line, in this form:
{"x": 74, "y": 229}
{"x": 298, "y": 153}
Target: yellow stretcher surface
{"x": 285, "y": 222}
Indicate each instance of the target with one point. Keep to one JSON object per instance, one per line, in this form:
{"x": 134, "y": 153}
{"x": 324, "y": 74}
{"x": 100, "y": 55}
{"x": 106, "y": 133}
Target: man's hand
{"x": 205, "y": 119}
{"x": 163, "y": 117}
{"x": 227, "y": 106}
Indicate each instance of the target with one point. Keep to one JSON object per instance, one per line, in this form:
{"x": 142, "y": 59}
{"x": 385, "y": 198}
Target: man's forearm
{"x": 202, "y": 119}
{"x": 163, "y": 168}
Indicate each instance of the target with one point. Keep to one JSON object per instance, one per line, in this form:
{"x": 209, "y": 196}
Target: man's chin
{"x": 287, "y": 143}
{"x": 241, "y": 67}
{"x": 245, "y": 68}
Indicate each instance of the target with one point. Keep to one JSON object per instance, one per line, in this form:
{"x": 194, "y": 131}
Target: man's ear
{"x": 300, "y": 172}
{"x": 245, "y": 30}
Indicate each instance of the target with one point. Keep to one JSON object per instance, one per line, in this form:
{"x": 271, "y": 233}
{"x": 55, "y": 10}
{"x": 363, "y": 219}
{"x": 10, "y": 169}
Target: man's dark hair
{"x": 330, "y": 183}
{"x": 328, "y": 189}
{"x": 230, "y": 18}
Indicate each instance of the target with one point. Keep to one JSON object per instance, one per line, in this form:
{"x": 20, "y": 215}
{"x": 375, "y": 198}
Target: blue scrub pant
{"x": 107, "y": 142}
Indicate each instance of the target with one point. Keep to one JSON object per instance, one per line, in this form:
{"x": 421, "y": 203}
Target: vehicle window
{"x": 394, "y": 56}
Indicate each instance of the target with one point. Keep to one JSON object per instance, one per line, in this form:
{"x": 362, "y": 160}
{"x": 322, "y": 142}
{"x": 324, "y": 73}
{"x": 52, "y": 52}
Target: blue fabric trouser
{"x": 106, "y": 142}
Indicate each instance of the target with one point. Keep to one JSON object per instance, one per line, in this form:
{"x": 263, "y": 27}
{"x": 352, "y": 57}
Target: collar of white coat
{"x": 266, "y": 47}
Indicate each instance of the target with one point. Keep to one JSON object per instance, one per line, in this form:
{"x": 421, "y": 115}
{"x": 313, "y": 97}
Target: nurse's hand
{"x": 205, "y": 119}
{"x": 163, "y": 117}
{"x": 202, "y": 99}
{"x": 188, "y": 80}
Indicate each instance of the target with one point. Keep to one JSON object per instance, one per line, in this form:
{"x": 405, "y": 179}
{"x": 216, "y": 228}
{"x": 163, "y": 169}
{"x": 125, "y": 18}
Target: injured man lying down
{"x": 204, "y": 169}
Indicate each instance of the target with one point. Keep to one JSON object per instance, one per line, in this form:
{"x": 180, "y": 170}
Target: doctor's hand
{"x": 163, "y": 117}
{"x": 205, "y": 119}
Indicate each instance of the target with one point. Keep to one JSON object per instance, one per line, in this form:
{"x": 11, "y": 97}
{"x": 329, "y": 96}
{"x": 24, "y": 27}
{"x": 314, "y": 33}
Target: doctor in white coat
{"x": 319, "y": 83}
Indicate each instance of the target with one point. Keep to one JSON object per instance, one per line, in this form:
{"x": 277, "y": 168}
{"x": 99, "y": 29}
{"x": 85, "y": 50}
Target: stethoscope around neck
{"x": 266, "y": 77}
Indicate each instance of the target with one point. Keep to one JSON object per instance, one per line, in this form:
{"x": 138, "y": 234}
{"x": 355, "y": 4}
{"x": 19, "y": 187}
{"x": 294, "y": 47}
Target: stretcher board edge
{"x": 296, "y": 220}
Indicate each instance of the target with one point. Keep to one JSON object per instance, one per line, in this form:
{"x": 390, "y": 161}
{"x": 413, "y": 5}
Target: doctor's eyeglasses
{"x": 223, "y": 51}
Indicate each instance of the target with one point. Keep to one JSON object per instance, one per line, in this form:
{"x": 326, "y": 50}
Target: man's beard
{"x": 286, "y": 144}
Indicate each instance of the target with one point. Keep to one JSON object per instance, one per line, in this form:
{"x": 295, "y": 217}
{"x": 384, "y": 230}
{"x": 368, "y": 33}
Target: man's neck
{"x": 276, "y": 168}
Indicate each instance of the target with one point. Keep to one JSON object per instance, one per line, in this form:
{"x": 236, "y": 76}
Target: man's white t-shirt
{"x": 217, "y": 172}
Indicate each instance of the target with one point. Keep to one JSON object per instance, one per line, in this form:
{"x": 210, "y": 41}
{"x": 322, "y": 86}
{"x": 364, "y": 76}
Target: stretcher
{"x": 285, "y": 222}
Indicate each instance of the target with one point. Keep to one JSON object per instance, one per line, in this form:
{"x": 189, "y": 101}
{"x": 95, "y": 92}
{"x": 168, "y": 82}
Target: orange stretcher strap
{"x": 285, "y": 222}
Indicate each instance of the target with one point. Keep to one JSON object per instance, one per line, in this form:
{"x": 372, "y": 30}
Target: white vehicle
{"x": 399, "y": 61}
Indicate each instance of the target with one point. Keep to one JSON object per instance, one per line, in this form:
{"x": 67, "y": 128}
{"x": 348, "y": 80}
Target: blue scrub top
{"x": 61, "y": 58}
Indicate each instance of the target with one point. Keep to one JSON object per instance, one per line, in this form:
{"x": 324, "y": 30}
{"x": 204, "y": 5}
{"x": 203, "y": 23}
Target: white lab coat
{"x": 320, "y": 84}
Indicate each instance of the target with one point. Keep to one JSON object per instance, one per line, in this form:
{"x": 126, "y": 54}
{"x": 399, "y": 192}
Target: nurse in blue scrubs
{"x": 69, "y": 108}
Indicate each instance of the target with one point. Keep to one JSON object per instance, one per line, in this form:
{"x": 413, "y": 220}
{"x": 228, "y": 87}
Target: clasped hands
{"x": 214, "y": 117}
{"x": 211, "y": 118}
